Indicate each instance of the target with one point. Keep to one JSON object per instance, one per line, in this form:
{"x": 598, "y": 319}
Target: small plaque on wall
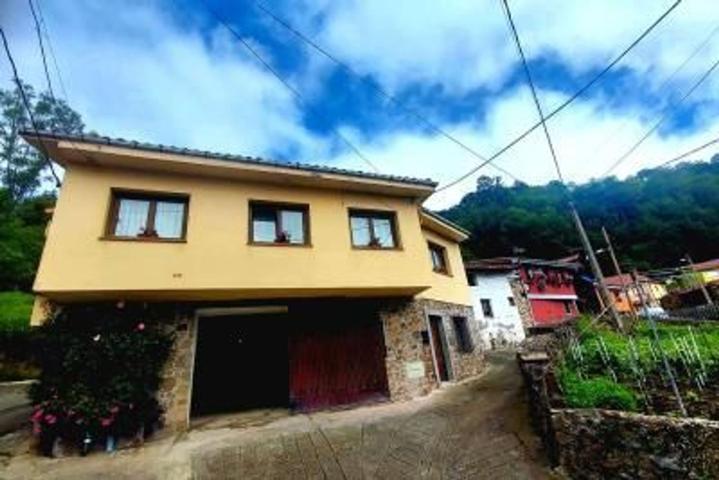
{"x": 414, "y": 369}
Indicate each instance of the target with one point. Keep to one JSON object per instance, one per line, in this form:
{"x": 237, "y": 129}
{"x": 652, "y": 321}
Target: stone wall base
{"x": 409, "y": 361}
{"x": 597, "y": 444}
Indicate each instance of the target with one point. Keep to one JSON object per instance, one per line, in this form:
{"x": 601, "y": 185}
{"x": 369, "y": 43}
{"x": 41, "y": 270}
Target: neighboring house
{"x": 496, "y": 305}
{"x": 293, "y": 285}
{"x": 709, "y": 270}
{"x": 628, "y": 295}
{"x": 543, "y": 289}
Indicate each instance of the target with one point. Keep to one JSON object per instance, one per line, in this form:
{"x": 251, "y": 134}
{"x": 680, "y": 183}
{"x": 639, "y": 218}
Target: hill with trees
{"x": 654, "y": 217}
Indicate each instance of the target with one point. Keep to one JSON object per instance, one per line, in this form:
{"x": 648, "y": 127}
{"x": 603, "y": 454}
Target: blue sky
{"x": 167, "y": 72}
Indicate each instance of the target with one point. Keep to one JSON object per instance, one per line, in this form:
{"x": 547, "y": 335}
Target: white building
{"x": 495, "y": 307}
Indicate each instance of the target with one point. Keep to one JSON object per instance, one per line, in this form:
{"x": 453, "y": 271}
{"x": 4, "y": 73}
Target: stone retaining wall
{"x": 596, "y": 444}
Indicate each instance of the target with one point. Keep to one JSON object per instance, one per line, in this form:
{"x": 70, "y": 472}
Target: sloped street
{"x": 475, "y": 430}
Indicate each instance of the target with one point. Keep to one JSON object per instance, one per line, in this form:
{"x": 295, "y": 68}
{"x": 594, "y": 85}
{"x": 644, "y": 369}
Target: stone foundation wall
{"x": 176, "y": 387}
{"x": 409, "y": 362}
{"x": 596, "y": 444}
{"x": 403, "y": 323}
{"x": 523, "y": 306}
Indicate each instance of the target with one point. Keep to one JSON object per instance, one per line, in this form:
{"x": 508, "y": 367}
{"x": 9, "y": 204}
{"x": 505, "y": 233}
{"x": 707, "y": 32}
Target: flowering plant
{"x": 101, "y": 367}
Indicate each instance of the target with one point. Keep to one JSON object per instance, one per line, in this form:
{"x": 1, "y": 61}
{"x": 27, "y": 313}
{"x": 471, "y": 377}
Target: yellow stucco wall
{"x": 216, "y": 261}
{"x": 448, "y": 288}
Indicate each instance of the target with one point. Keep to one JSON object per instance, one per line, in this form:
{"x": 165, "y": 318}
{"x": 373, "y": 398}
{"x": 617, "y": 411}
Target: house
{"x": 291, "y": 285}
{"x": 708, "y": 269}
{"x": 543, "y": 291}
{"x": 497, "y": 298}
{"x": 630, "y": 296}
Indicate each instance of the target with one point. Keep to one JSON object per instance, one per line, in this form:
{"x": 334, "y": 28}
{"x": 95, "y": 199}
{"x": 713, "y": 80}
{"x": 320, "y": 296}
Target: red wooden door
{"x": 334, "y": 363}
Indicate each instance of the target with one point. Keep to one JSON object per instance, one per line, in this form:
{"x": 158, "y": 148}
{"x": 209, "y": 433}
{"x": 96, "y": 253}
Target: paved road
{"x": 15, "y": 406}
{"x": 477, "y": 430}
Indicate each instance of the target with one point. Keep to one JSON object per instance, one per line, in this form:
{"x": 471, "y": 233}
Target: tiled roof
{"x": 121, "y": 142}
{"x": 442, "y": 219}
{"x": 509, "y": 263}
{"x": 708, "y": 265}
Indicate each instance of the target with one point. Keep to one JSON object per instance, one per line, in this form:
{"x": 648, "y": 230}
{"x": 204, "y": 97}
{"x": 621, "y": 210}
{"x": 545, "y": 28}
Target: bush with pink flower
{"x": 101, "y": 367}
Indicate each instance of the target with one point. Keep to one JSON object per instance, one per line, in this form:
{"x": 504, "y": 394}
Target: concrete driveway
{"x": 475, "y": 430}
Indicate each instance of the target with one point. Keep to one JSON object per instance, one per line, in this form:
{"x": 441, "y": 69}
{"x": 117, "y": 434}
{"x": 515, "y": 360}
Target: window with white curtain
{"x": 274, "y": 223}
{"x": 144, "y": 216}
{"x": 373, "y": 229}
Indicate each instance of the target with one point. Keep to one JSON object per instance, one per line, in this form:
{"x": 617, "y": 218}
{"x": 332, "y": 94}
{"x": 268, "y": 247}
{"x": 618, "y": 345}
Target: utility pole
{"x": 665, "y": 361}
{"x": 596, "y": 270}
{"x": 707, "y": 297}
{"x": 625, "y": 289}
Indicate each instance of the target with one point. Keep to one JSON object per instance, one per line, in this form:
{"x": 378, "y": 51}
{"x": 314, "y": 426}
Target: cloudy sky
{"x": 168, "y": 72}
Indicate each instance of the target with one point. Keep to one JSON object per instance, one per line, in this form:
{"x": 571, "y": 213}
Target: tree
{"x": 22, "y": 167}
{"x": 654, "y": 217}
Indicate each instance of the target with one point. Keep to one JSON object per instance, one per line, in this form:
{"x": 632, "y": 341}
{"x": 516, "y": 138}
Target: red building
{"x": 549, "y": 286}
{"x": 544, "y": 287}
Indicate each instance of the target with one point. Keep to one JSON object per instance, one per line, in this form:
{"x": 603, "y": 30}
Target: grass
{"x": 15, "y": 309}
{"x": 598, "y": 392}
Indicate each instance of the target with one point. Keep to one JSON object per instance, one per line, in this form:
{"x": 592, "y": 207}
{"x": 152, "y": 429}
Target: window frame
{"x": 489, "y": 305}
{"x": 462, "y": 334}
{"x": 370, "y": 214}
{"x": 444, "y": 270}
{"x": 153, "y": 197}
{"x": 278, "y": 207}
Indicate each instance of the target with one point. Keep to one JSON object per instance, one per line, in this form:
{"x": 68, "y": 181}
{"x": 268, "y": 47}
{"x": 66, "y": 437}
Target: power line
{"x": 690, "y": 152}
{"x": 567, "y": 102}
{"x": 667, "y": 81}
{"x": 51, "y": 50}
{"x": 376, "y": 87}
{"x": 42, "y": 48}
{"x": 661, "y": 120}
{"x": 253, "y": 51}
{"x": 28, "y": 107}
{"x": 530, "y": 82}
{"x": 593, "y": 263}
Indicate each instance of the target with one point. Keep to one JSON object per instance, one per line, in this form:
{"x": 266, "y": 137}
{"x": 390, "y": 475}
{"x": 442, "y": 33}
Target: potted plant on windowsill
{"x": 283, "y": 237}
{"x": 374, "y": 242}
{"x": 147, "y": 233}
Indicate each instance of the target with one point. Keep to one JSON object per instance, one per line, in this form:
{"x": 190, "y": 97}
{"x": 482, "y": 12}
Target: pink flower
{"x": 106, "y": 422}
{"x": 50, "y": 418}
{"x": 114, "y": 409}
{"x": 37, "y": 415}
{"x": 140, "y": 326}
{"x": 36, "y": 430}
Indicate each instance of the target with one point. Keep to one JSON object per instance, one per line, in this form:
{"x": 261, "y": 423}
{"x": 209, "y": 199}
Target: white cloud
{"x": 133, "y": 72}
{"x": 462, "y": 45}
{"x": 587, "y": 139}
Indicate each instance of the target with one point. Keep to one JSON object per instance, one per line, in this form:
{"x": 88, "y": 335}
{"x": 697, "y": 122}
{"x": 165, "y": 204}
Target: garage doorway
{"x": 241, "y": 363}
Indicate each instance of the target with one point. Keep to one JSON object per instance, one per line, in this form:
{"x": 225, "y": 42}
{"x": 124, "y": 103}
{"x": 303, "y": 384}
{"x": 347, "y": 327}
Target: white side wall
{"x": 505, "y": 327}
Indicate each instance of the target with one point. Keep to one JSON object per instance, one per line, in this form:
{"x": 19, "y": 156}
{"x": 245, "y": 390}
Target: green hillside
{"x": 654, "y": 217}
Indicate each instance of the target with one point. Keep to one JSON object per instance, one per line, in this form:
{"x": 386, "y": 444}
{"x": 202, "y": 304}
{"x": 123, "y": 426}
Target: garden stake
{"x": 667, "y": 367}
{"x": 604, "y": 353}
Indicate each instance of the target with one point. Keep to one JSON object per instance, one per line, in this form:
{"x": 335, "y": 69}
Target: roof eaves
{"x": 449, "y": 223}
{"x": 133, "y": 144}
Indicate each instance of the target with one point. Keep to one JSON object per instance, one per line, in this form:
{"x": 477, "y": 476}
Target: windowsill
{"x": 443, "y": 272}
{"x": 377, "y": 249}
{"x": 279, "y": 244}
{"x": 109, "y": 238}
